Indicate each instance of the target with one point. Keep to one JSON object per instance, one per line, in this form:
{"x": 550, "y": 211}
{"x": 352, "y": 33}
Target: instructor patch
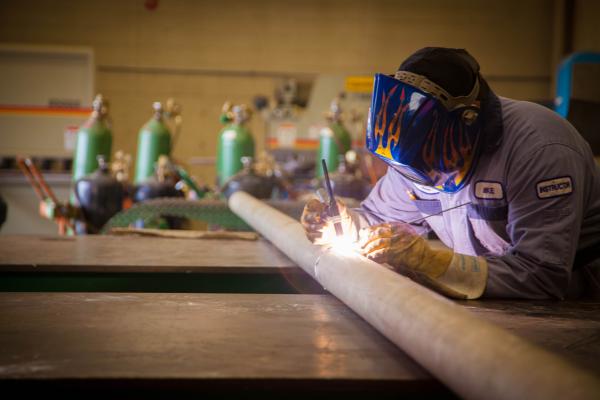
{"x": 554, "y": 187}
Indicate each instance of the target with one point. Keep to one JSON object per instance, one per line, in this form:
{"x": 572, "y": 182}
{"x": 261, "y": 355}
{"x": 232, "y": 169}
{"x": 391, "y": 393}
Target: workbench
{"x": 265, "y": 339}
{"x": 227, "y": 343}
{"x": 147, "y": 264}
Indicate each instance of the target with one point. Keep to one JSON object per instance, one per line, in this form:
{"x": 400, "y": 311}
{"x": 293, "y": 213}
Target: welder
{"x": 530, "y": 224}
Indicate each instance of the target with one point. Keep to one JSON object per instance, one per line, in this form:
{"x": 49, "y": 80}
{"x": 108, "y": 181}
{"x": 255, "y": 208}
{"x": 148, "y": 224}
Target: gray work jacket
{"x": 534, "y": 212}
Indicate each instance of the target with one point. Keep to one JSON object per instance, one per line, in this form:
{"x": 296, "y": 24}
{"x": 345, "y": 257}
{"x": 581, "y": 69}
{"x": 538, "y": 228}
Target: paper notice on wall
{"x": 70, "y": 137}
{"x": 286, "y": 135}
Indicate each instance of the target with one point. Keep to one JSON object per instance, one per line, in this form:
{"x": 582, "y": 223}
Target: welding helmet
{"x": 422, "y": 131}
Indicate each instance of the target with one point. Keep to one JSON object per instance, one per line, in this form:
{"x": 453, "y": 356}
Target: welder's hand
{"x": 314, "y": 218}
{"x": 399, "y": 246}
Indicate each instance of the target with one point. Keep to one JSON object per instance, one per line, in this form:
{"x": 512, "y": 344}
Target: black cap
{"x": 456, "y": 70}
{"x": 453, "y": 69}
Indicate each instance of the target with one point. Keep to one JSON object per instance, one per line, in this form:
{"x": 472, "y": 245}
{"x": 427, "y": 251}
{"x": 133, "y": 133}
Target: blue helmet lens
{"x": 417, "y": 135}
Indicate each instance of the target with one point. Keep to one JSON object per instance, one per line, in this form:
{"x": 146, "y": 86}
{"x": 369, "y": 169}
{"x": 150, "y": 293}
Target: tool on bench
{"x": 50, "y": 207}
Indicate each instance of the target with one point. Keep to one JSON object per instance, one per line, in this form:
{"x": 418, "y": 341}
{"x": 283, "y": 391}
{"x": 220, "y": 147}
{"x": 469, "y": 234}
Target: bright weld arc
{"x": 343, "y": 244}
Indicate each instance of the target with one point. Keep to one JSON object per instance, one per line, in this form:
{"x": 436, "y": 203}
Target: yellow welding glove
{"x": 404, "y": 250}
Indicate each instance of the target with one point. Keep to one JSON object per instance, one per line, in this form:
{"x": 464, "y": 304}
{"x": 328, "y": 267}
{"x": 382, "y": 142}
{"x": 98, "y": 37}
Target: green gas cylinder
{"x": 334, "y": 140}
{"x": 93, "y": 139}
{"x": 154, "y": 140}
{"x": 235, "y": 142}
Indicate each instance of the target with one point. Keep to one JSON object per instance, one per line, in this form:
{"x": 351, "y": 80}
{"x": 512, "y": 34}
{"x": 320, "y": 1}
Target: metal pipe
{"x": 476, "y": 359}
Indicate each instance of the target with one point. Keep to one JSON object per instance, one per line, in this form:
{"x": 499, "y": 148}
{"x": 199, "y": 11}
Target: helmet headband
{"x": 450, "y": 102}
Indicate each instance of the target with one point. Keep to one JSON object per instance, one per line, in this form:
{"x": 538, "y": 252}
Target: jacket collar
{"x": 493, "y": 126}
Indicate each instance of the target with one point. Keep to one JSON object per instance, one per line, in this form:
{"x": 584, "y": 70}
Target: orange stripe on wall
{"x": 40, "y": 110}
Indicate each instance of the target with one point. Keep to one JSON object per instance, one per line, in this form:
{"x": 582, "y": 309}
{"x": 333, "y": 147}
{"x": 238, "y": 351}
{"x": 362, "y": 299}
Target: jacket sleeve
{"x": 545, "y": 193}
{"x": 389, "y": 202}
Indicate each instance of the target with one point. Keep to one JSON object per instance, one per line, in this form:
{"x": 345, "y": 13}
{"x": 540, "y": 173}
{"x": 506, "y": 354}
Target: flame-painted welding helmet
{"x": 426, "y": 134}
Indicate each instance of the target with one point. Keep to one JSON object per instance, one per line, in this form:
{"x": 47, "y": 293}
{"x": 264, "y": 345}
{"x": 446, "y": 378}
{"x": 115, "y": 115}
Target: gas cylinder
{"x": 93, "y": 139}
{"x": 334, "y": 140}
{"x": 154, "y": 140}
{"x": 100, "y": 196}
{"x": 235, "y": 141}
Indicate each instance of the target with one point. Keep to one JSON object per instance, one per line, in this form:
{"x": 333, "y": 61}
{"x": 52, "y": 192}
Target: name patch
{"x": 554, "y": 187}
{"x": 489, "y": 190}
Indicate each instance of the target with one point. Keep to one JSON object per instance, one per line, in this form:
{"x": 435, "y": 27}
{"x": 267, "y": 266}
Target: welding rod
{"x": 334, "y": 211}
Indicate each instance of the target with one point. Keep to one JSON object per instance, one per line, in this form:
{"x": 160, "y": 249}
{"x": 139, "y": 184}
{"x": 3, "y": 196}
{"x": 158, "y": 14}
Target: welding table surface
{"x": 568, "y": 328}
{"x": 244, "y": 335}
{"x": 298, "y": 339}
{"x": 106, "y": 253}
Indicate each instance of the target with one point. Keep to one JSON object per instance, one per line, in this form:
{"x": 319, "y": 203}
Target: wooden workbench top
{"x": 198, "y": 338}
{"x": 106, "y": 253}
{"x": 232, "y": 342}
{"x": 568, "y": 328}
